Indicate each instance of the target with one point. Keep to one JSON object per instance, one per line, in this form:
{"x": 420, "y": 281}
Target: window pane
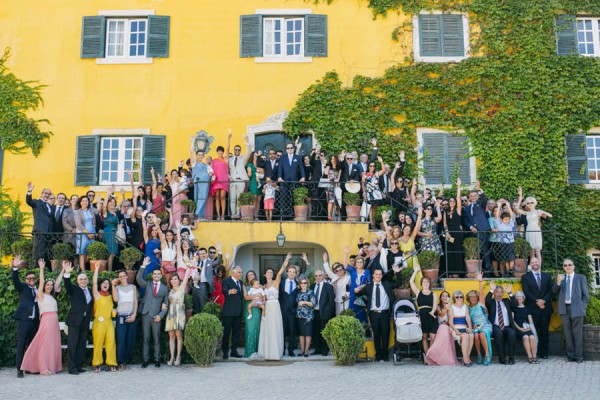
{"x": 113, "y": 177}
{"x": 104, "y": 176}
{"x": 277, "y": 49}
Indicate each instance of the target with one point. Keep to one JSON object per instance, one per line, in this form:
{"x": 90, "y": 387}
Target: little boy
{"x": 258, "y": 298}
{"x": 269, "y": 200}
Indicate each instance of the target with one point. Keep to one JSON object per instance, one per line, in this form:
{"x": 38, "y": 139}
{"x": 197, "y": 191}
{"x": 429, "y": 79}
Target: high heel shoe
{"x": 479, "y": 360}
{"x": 530, "y": 360}
{"x": 486, "y": 362}
{"x": 170, "y": 362}
{"x": 178, "y": 360}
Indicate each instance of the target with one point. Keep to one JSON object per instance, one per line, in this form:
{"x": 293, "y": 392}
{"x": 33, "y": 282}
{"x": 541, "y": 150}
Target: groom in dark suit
{"x": 476, "y": 221}
{"x": 290, "y": 171}
{"x": 231, "y": 316}
{"x": 43, "y": 221}
{"x": 537, "y": 287}
{"x": 288, "y": 306}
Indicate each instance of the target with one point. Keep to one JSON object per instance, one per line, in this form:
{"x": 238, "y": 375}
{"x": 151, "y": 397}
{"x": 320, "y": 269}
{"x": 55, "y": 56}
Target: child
{"x": 269, "y": 191}
{"x": 258, "y": 298}
{"x": 185, "y": 225}
{"x": 184, "y": 180}
{"x": 506, "y": 238}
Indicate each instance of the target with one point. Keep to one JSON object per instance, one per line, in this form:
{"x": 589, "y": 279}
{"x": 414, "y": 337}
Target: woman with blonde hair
{"x": 481, "y": 324}
{"x": 533, "y": 231}
{"x": 459, "y": 320}
{"x": 340, "y": 281}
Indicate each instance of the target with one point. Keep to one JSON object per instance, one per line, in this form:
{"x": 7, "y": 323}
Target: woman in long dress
{"x": 178, "y": 189}
{"x": 43, "y": 355}
{"x": 252, "y": 330}
{"x": 340, "y": 281}
{"x": 201, "y": 178}
{"x": 454, "y": 234}
{"x": 442, "y": 351}
{"x": 270, "y": 341}
{"x": 371, "y": 191}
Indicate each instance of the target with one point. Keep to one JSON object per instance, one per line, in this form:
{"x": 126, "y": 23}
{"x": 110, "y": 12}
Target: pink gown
{"x": 44, "y": 353}
{"x": 176, "y": 207}
{"x": 442, "y": 351}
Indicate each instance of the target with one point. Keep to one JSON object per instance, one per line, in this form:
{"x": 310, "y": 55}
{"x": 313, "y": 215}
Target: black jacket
{"x": 326, "y": 300}
{"x": 287, "y": 302}
{"x": 27, "y": 303}
{"x": 490, "y": 304}
{"x": 43, "y": 220}
{"x": 533, "y": 292}
{"x": 81, "y": 311}
{"x": 233, "y": 302}
{"x": 388, "y": 286}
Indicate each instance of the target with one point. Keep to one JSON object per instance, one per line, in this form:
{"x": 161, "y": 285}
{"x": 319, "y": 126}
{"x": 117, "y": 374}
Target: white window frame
{"x": 594, "y": 184}
{"x": 420, "y": 144}
{"x": 121, "y": 170}
{"x": 595, "y": 257}
{"x": 595, "y": 35}
{"x": 595, "y": 158}
{"x": 125, "y": 15}
{"x": 283, "y": 15}
{"x": 416, "y": 41}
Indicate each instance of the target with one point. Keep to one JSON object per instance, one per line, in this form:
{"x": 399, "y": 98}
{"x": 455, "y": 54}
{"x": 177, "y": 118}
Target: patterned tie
{"x": 377, "y": 297}
{"x": 500, "y": 316}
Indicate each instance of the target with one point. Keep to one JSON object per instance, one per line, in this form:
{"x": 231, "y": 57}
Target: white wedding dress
{"x": 270, "y": 340}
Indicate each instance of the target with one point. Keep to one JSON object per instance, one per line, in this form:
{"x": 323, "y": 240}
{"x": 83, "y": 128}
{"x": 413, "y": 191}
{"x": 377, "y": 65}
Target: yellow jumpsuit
{"x": 103, "y": 332}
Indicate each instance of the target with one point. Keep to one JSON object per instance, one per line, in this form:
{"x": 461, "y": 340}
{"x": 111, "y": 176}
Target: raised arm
{"x": 163, "y": 240}
{"x": 413, "y": 191}
{"x": 382, "y": 170}
{"x": 283, "y": 268}
{"x": 186, "y": 277}
{"x": 228, "y": 144}
{"x": 144, "y": 229}
{"x": 95, "y": 285}
{"x": 417, "y": 228}
{"x": 40, "y": 292}
{"x": 438, "y": 217}
{"x": 481, "y": 292}
{"x": 192, "y": 152}
{"x": 59, "y": 278}
{"x": 326, "y": 267}
{"x": 415, "y": 289}
{"x": 458, "y": 197}
{"x": 519, "y": 201}
{"x": 28, "y": 198}
{"x": 139, "y": 277}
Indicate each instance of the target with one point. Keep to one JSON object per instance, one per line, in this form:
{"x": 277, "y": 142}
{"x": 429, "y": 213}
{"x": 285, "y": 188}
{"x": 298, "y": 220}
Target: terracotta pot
{"x": 472, "y": 268}
{"x": 402, "y": 294}
{"x": 247, "y": 213}
{"x": 300, "y": 213}
{"x": 352, "y": 213}
{"x": 100, "y": 264}
{"x": 432, "y": 274}
{"x": 131, "y": 276}
{"x": 520, "y": 267}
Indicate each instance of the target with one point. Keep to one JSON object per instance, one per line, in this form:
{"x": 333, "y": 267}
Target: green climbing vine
{"x": 514, "y": 98}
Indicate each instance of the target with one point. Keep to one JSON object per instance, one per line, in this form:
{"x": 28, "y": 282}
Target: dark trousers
{"x": 507, "y": 334}
{"x": 318, "y": 341}
{"x": 125, "y": 333}
{"x": 541, "y": 320}
{"x": 41, "y": 242}
{"x": 380, "y": 324}
{"x": 151, "y": 329}
{"x": 26, "y": 330}
{"x": 573, "y": 329}
{"x": 200, "y": 296}
{"x": 231, "y": 327}
{"x": 76, "y": 341}
{"x": 484, "y": 246}
{"x": 289, "y": 330}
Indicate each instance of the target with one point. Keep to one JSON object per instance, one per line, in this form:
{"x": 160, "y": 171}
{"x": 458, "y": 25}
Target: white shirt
{"x": 504, "y": 314}
{"x": 287, "y": 286}
{"x": 88, "y": 296}
{"x": 383, "y": 298}
{"x": 569, "y": 288}
{"x": 318, "y": 289}
{"x": 202, "y": 263}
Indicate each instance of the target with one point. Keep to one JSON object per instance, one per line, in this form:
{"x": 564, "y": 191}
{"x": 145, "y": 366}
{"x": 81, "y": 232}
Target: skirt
{"x": 305, "y": 327}
{"x": 44, "y": 353}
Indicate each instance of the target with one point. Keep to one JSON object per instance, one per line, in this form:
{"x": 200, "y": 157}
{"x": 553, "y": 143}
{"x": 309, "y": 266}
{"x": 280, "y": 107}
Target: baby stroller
{"x": 408, "y": 331}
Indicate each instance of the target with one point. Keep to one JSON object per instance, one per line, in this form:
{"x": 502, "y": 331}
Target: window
{"x": 595, "y": 255}
{"x": 588, "y": 36}
{"x": 442, "y": 154}
{"x": 283, "y": 36}
{"x": 592, "y": 145}
{"x": 117, "y": 156}
{"x": 440, "y": 37}
{"x": 577, "y": 35}
{"x": 125, "y": 39}
{"x": 583, "y": 158}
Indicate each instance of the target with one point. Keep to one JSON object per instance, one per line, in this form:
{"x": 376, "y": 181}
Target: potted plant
{"x": 345, "y": 336}
{"x": 190, "y": 208}
{"x": 246, "y": 204}
{"x": 129, "y": 257}
{"x": 403, "y": 292}
{"x": 300, "y": 206}
{"x": 98, "y": 254}
{"x": 430, "y": 264}
{"x": 202, "y": 337}
{"x": 353, "y": 203}
{"x": 522, "y": 249}
{"x": 471, "y": 248}
{"x": 61, "y": 252}
{"x": 24, "y": 249}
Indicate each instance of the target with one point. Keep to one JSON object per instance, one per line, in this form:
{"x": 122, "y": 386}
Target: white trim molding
{"x": 284, "y": 59}
{"x": 283, "y": 11}
{"x": 274, "y": 123}
{"x": 126, "y": 13}
{"x": 416, "y": 41}
{"x": 121, "y": 132}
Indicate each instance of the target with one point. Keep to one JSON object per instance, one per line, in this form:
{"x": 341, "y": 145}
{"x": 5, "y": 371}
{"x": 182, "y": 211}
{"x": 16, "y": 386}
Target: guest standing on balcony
{"x": 111, "y": 217}
{"x": 253, "y": 184}
{"x": 159, "y": 200}
{"x": 68, "y": 222}
{"x": 220, "y": 185}
{"x": 238, "y": 177}
{"x": 370, "y": 187}
{"x": 476, "y": 221}
{"x": 43, "y": 221}
{"x": 333, "y": 172}
{"x": 201, "y": 178}
{"x": 178, "y": 188}
{"x": 533, "y": 232}
{"x": 85, "y": 221}
{"x": 290, "y": 171}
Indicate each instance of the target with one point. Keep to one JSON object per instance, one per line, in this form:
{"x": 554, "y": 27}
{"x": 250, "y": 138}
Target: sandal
{"x": 113, "y": 369}
{"x": 486, "y": 362}
{"x": 479, "y": 360}
{"x": 530, "y": 360}
{"x": 97, "y": 370}
{"x": 535, "y": 360}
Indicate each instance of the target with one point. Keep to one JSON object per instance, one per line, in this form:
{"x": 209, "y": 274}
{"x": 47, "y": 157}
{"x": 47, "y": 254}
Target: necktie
{"x": 155, "y": 288}
{"x": 235, "y": 161}
{"x": 57, "y": 213}
{"x": 538, "y": 280}
{"x": 472, "y": 207}
{"x": 377, "y": 297}
{"x": 317, "y": 292}
{"x": 237, "y": 283}
{"x": 568, "y": 287}
{"x": 49, "y": 208}
{"x": 500, "y": 316}
{"x": 291, "y": 287}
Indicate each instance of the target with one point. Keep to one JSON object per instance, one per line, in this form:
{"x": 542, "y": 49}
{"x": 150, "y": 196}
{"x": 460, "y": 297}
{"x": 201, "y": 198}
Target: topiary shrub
{"x": 61, "y": 252}
{"x": 349, "y": 312}
{"x": 592, "y": 315}
{"x": 203, "y": 334}
{"x": 345, "y": 337}
{"x": 212, "y": 308}
{"x": 97, "y": 251}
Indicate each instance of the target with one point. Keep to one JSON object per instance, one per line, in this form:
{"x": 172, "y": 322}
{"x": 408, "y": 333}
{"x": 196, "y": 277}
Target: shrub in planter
{"x": 212, "y": 308}
{"x": 430, "y": 264}
{"x": 592, "y": 315}
{"x": 391, "y": 210}
{"x": 202, "y": 336}
{"x": 345, "y": 337}
{"x": 349, "y": 312}
{"x": 61, "y": 252}
{"x": 246, "y": 204}
{"x": 522, "y": 249}
{"x": 189, "y": 205}
{"x": 300, "y": 206}
{"x": 471, "y": 248}
{"x": 353, "y": 202}
{"x": 403, "y": 292}
{"x": 129, "y": 256}
{"x": 98, "y": 254}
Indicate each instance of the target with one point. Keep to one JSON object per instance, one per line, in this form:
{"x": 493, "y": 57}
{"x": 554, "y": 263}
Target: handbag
{"x": 324, "y": 183}
{"x": 121, "y": 236}
{"x": 365, "y": 208}
{"x": 360, "y": 301}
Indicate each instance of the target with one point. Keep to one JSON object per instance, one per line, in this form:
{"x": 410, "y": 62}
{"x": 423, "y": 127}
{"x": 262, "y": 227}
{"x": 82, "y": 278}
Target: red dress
{"x": 221, "y": 170}
{"x": 217, "y": 295}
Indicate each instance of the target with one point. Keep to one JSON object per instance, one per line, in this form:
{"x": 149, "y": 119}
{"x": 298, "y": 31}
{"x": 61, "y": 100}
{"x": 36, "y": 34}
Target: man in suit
{"x": 238, "y": 177}
{"x": 537, "y": 287}
{"x": 373, "y": 259}
{"x": 43, "y": 221}
{"x": 380, "y": 299}
{"x": 318, "y": 161}
{"x": 350, "y": 172}
{"x": 324, "y": 310}
{"x": 206, "y": 272}
{"x": 573, "y": 296}
{"x": 288, "y": 307}
{"x": 78, "y": 319}
{"x": 364, "y": 160}
{"x": 27, "y": 314}
{"x": 154, "y": 308}
{"x": 231, "y": 316}
{"x": 476, "y": 221}
{"x": 290, "y": 171}
{"x": 271, "y": 166}
{"x": 500, "y": 315}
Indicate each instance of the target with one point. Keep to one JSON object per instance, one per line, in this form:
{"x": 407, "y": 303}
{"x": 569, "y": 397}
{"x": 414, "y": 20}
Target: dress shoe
{"x": 579, "y": 360}
{"x": 157, "y": 364}
{"x": 511, "y": 361}
{"x": 81, "y": 370}
{"x": 544, "y": 357}
{"x": 225, "y": 356}
{"x": 385, "y": 359}
{"x": 235, "y": 354}
{"x": 316, "y": 353}
{"x": 145, "y": 364}
{"x": 73, "y": 372}
{"x": 503, "y": 361}
{"x": 570, "y": 359}
{"x": 291, "y": 354}
{"x": 20, "y": 374}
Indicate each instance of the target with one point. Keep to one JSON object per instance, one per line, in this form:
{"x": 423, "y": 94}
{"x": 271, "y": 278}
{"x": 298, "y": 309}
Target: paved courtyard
{"x": 552, "y": 379}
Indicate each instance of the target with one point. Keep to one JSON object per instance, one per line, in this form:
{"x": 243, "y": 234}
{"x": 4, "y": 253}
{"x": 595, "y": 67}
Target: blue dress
{"x": 152, "y": 245}
{"x": 201, "y": 186}
{"x": 82, "y": 240}
{"x": 356, "y": 281}
{"x": 110, "y": 232}
{"x": 479, "y": 317}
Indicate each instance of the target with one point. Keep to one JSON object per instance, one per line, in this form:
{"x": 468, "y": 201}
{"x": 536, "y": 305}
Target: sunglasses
{"x": 212, "y": 252}
{"x": 349, "y": 158}
{"x": 458, "y": 297}
{"x": 30, "y": 278}
{"x": 304, "y": 283}
{"x": 567, "y": 265}
{"x": 394, "y": 243}
{"x": 289, "y": 148}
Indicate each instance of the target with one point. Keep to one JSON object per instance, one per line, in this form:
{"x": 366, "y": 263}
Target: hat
{"x": 353, "y": 187}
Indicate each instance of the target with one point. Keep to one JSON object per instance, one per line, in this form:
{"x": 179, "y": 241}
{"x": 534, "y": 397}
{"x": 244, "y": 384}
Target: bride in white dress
{"x": 270, "y": 341}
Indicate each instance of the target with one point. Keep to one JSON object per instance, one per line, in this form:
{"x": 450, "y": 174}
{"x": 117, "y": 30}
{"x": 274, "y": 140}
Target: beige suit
{"x": 238, "y": 177}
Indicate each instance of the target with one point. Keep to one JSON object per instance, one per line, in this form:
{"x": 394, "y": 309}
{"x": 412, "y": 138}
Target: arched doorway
{"x": 278, "y": 140}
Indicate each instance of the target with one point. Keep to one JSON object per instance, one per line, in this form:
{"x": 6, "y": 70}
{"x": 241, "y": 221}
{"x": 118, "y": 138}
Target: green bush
{"x": 203, "y": 334}
{"x": 429, "y": 259}
{"x": 189, "y": 205}
{"x": 405, "y": 274}
{"x": 592, "y": 316}
{"x": 351, "y": 199}
{"x": 471, "y": 247}
{"x": 345, "y": 337}
{"x": 387, "y": 208}
{"x": 97, "y": 251}
{"x": 246, "y": 199}
{"x": 349, "y": 312}
{"x": 61, "y": 252}
{"x": 300, "y": 195}
{"x": 129, "y": 257}
{"x": 522, "y": 248}
{"x": 23, "y": 248}
{"x": 212, "y": 308}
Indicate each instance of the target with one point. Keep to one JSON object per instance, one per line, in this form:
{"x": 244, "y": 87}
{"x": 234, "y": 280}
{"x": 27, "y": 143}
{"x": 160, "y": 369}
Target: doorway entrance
{"x": 275, "y": 261}
{"x": 278, "y": 140}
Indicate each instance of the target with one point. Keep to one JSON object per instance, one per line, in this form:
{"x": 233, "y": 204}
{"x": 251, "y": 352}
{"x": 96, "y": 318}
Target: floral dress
{"x": 333, "y": 177}
{"x": 430, "y": 243}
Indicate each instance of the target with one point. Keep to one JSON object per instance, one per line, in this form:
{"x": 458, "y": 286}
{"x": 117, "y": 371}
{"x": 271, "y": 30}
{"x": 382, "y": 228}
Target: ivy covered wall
{"x": 514, "y": 98}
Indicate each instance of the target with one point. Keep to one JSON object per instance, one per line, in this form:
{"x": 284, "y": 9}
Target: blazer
{"x": 233, "y": 302}
{"x": 318, "y": 169}
{"x": 43, "y": 220}
{"x": 237, "y": 171}
{"x": 373, "y": 264}
{"x": 27, "y": 304}
{"x": 81, "y": 311}
{"x": 69, "y": 225}
{"x": 579, "y": 296}
{"x": 287, "y": 302}
{"x": 388, "y": 286}
{"x": 80, "y": 222}
{"x": 271, "y": 173}
{"x": 326, "y": 300}
{"x": 291, "y": 173}
{"x": 490, "y": 304}
{"x": 151, "y": 304}
{"x": 475, "y": 214}
{"x": 373, "y": 158}
{"x": 533, "y": 292}
{"x": 346, "y": 176}
{"x": 209, "y": 266}
{"x": 57, "y": 225}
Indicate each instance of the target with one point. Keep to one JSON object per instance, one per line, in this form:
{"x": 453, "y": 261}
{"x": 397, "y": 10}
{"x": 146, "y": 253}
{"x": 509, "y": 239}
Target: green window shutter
{"x": 315, "y": 35}
{"x": 251, "y": 42}
{"x": 453, "y": 43}
{"x": 152, "y": 156}
{"x": 93, "y": 37}
{"x": 457, "y": 152}
{"x": 565, "y": 27}
{"x": 436, "y": 157}
{"x": 576, "y": 159}
{"x": 430, "y": 38}
{"x": 158, "y": 36}
{"x": 87, "y": 160}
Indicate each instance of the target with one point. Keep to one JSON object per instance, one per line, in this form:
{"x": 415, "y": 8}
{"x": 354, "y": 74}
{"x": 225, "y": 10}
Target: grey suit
{"x": 571, "y": 315}
{"x": 201, "y": 292}
{"x": 151, "y": 307}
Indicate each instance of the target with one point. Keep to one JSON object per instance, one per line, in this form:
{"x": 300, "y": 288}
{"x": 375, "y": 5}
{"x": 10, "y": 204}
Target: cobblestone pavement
{"x": 552, "y": 379}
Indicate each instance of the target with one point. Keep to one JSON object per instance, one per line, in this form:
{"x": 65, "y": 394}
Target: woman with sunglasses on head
{"x": 428, "y": 231}
{"x": 407, "y": 241}
{"x": 533, "y": 231}
{"x": 340, "y": 281}
{"x": 333, "y": 171}
{"x": 442, "y": 351}
{"x": 370, "y": 188}
{"x": 454, "y": 234}
{"x": 459, "y": 320}
{"x": 305, "y": 303}
{"x": 481, "y": 324}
